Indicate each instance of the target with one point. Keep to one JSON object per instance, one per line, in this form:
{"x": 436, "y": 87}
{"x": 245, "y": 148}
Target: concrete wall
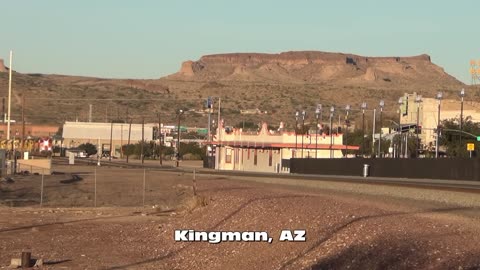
{"x": 421, "y": 168}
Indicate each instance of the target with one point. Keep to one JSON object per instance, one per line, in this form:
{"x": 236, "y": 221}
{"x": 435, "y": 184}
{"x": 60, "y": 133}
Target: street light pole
{"x": 180, "y": 112}
{"x": 318, "y": 112}
{"x": 332, "y": 110}
{"x": 160, "y": 138}
{"x": 382, "y": 104}
{"x": 303, "y": 128}
{"x": 373, "y": 131}
{"x": 364, "y": 107}
{"x": 297, "y": 115}
{"x": 439, "y": 98}
{"x": 418, "y": 100}
{"x": 462, "y": 95}
{"x": 400, "y": 103}
{"x": 347, "y": 109}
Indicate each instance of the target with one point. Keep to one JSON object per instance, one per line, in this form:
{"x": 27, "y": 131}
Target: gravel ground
{"x": 354, "y": 226}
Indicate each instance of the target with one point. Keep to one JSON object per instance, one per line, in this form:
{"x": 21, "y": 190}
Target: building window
{"x": 228, "y": 155}
{"x": 255, "y": 158}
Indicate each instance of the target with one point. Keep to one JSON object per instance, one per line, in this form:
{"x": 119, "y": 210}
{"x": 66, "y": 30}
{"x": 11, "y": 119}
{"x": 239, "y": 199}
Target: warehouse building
{"x": 99, "y": 134}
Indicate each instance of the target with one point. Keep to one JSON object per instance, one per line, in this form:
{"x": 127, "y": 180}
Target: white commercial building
{"x": 100, "y": 134}
{"x": 266, "y": 151}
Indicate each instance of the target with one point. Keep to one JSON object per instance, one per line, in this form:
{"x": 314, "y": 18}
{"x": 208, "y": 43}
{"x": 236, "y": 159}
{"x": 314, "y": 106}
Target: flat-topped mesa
{"x": 316, "y": 67}
{"x": 302, "y": 58}
{"x": 3, "y": 68}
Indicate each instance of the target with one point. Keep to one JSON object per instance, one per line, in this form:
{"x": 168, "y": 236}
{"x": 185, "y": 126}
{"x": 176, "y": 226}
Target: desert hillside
{"x": 277, "y": 84}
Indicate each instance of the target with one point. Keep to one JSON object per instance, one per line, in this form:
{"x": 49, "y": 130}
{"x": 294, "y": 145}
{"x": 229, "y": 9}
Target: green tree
{"x": 128, "y": 149}
{"x": 89, "y": 148}
{"x": 355, "y": 138}
{"x": 192, "y": 148}
{"x": 455, "y": 141}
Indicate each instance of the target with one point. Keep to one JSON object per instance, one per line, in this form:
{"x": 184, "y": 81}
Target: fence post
{"x": 41, "y": 189}
{"x": 194, "y": 183}
{"x": 95, "y": 189}
{"x": 143, "y": 200}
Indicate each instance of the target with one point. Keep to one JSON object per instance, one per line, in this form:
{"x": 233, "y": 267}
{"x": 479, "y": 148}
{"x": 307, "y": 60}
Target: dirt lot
{"x": 344, "y": 229}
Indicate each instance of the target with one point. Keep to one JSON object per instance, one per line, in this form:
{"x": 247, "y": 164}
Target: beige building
{"x": 265, "y": 151}
{"x": 428, "y": 114}
{"x": 98, "y": 134}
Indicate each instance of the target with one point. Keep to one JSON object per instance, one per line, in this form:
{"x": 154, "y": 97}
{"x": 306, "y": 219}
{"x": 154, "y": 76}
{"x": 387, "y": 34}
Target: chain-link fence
{"x": 96, "y": 186}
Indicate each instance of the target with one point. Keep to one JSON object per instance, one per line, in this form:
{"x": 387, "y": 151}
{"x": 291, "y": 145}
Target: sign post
{"x": 470, "y": 148}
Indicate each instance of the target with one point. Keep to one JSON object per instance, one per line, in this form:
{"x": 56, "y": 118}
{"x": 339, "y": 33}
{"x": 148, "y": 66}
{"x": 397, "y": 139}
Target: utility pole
{"x": 111, "y": 142}
{"x": 9, "y": 95}
{"x": 23, "y": 122}
{"x": 462, "y": 95}
{"x": 332, "y": 111}
{"x": 347, "y": 110}
{"x": 217, "y": 153}
{"x": 297, "y": 115}
{"x": 143, "y": 138}
{"x": 303, "y": 128}
{"x": 121, "y": 141}
{"x": 373, "y": 131}
{"x": 439, "y": 99}
{"x": 318, "y": 114}
{"x": 209, "y": 132}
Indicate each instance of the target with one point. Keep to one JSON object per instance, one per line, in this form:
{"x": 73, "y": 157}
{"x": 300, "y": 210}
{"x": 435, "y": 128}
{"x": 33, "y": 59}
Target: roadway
{"x": 190, "y": 166}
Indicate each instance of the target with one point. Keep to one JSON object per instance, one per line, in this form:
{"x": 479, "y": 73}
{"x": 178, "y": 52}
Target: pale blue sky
{"x": 150, "y": 39}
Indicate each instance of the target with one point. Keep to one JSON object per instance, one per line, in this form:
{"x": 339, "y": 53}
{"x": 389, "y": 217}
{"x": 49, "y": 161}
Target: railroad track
{"x": 451, "y": 185}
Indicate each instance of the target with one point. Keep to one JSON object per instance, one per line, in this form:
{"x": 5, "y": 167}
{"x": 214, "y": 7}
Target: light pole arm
{"x": 460, "y": 131}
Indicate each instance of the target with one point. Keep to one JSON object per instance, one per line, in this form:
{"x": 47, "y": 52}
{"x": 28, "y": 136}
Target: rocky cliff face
{"x": 314, "y": 66}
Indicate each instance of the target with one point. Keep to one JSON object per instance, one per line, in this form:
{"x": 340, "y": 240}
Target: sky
{"x": 151, "y": 38}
